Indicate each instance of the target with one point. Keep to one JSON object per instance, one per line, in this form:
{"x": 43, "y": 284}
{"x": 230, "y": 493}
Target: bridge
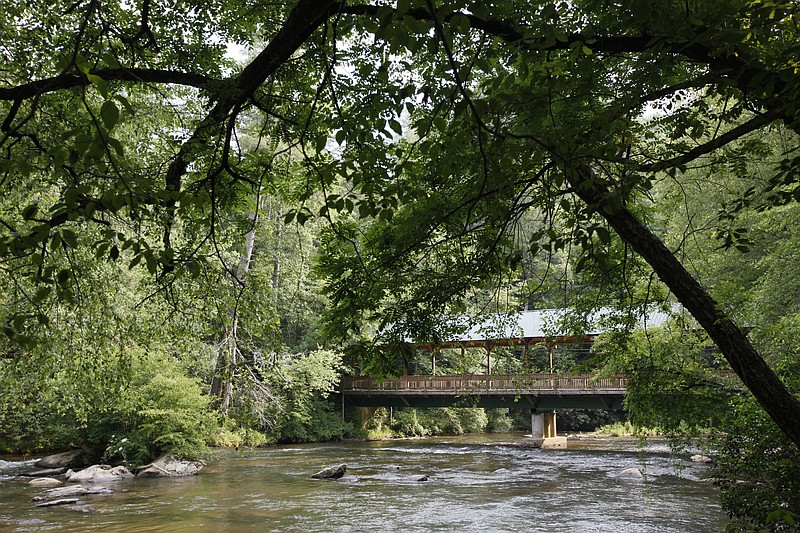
{"x": 531, "y": 338}
{"x": 541, "y": 393}
{"x": 527, "y": 391}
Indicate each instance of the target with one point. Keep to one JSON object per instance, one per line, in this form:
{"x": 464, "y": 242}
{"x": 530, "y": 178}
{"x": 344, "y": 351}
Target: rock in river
{"x": 47, "y": 472}
{"x": 631, "y": 473}
{"x": 100, "y": 473}
{"x": 70, "y": 492}
{"x": 53, "y": 503}
{"x": 59, "y": 460}
{"x": 169, "y": 466}
{"x": 332, "y": 472}
{"x": 44, "y": 482}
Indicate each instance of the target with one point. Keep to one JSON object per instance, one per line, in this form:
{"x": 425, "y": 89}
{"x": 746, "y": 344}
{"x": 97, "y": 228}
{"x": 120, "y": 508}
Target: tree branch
{"x": 140, "y": 75}
{"x": 728, "y": 137}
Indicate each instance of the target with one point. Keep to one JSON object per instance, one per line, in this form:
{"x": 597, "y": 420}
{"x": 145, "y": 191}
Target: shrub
{"x": 160, "y": 411}
{"x": 498, "y": 421}
{"x": 406, "y": 423}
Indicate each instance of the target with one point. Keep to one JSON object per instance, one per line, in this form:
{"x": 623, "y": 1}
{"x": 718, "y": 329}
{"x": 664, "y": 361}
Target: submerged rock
{"x": 44, "y": 482}
{"x": 332, "y": 472}
{"x": 169, "y": 466}
{"x": 97, "y": 473}
{"x": 71, "y": 491}
{"x": 700, "y": 459}
{"x": 63, "y": 501}
{"x": 81, "y": 507}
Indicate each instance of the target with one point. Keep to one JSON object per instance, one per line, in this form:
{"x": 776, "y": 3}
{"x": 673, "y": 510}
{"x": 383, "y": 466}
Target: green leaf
{"x": 117, "y": 146}
{"x": 30, "y": 211}
{"x": 99, "y": 83}
{"x": 69, "y": 237}
{"x": 152, "y": 263}
{"x": 109, "y": 114}
{"x": 111, "y": 60}
{"x": 321, "y": 142}
{"x": 603, "y": 234}
{"x": 41, "y": 294}
{"x": 396, "y": 127}
{"x": 63, "y": 276}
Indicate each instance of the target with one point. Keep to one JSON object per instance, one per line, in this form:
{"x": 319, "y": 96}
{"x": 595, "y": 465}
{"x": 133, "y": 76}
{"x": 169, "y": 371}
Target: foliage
{"x": 406, "y": 423}
{"x": 228, "y": 435}
{"x": 498, "y": 421}
{"x": 306, "y": 381}
{"x": 412, "y": 422}
{"x": 674, "y": 376}
{"x": 464, "y": 157}
{"x": 161, "y": 411}
{"x": 758, "y": 471}
{"x": 757, "y": 467}
{"x": 626, "y": 429}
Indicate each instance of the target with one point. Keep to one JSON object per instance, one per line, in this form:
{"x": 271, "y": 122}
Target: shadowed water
{"x": 479, "y": 483}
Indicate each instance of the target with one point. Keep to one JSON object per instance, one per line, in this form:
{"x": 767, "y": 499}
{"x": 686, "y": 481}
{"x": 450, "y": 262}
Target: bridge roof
{"x": 544, "y": 324}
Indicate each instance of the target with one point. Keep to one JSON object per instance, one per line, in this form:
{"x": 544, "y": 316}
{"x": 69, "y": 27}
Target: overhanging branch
{"x": 138, "y": 75}
{"x": 726, "y": 138}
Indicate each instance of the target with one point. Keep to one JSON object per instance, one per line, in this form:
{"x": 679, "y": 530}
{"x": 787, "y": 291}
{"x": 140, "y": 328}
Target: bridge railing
{"x": 474, "y": 382}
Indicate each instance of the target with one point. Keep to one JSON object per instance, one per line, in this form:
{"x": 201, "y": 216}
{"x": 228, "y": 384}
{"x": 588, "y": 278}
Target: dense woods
{"x": 196, "y": 243}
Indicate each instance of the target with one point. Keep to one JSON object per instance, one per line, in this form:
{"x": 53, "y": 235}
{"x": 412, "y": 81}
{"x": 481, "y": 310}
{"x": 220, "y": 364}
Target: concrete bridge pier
{"x": 543, "y": 431}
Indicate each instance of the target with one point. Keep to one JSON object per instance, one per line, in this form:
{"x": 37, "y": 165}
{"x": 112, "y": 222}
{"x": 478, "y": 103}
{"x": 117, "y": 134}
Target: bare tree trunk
{"x": 779, "y": 403}
{"x": 276, "y": 262}
{"x": 228, "y": 359}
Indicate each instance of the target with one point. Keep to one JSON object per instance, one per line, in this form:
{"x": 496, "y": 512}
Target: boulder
{"x": 100, "y": 473}
{"x": 59, "y": 460}
{"x": 700, "y": 459}
{"x": 332, "y": 472}
{"x": 631, "y": 473}
{"x": 44, "y": 482}
{"x": 423, "y": 478}
{"x": 169, "y": 466}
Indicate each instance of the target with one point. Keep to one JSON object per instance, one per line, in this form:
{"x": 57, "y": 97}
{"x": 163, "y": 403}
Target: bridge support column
{"x": 543, "y": 431}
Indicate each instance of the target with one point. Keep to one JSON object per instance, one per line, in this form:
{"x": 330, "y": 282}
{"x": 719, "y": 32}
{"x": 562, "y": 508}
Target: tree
{"x": 544, "y": 113}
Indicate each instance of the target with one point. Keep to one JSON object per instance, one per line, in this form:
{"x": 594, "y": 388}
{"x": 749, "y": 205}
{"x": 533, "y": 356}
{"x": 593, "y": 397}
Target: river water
{"x": 476, "y": 483}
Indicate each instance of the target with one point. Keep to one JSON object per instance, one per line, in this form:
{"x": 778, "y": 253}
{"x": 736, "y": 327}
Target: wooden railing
{"x": 529, "y": 383}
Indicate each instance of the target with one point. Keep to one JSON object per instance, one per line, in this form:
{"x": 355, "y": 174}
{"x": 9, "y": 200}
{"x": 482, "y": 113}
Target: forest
{"x": 210, "y": 211}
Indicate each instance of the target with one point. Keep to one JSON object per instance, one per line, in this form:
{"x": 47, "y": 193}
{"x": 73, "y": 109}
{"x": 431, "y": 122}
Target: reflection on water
{"x": 477, "y": 483}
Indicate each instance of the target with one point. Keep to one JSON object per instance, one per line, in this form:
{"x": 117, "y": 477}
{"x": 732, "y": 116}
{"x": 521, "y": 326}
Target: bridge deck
{"x": 538, "y": 391}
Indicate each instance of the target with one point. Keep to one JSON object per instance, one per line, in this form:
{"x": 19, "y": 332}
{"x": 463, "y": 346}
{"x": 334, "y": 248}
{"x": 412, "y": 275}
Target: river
{"x": 476, "y": 483}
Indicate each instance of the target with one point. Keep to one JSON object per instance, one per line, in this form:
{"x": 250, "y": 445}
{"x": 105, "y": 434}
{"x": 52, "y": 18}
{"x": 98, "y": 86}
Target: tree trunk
{"x": 779, "y": 403}
{"x": 276, "y": 262}
{"x": 222, "y": 383}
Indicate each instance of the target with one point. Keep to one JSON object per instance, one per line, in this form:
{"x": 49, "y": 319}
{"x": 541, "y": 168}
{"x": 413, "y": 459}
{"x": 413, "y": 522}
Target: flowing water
{"x": 476, "y": 483}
